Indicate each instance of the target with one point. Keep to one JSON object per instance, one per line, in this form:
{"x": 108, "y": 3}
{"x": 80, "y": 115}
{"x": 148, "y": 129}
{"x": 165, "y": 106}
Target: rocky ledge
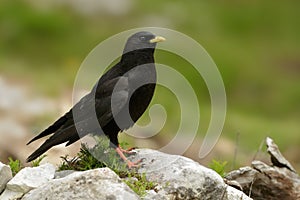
{"x": 176, "y": 177}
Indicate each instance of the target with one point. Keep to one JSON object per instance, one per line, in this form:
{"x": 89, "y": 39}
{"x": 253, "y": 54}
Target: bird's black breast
{"x": 141, "y": 83}
{"x": 140, "y": 100}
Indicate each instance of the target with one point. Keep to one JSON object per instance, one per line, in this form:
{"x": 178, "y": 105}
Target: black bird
{"x": 117, "y": 101}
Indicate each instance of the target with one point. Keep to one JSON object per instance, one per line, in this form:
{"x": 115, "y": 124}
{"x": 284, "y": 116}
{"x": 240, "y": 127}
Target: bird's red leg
{"x": 129, "y": 163}
{"x": 128, "y": 151}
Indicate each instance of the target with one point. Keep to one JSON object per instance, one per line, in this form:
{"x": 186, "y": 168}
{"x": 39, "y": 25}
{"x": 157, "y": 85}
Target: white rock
{"x": 61, "y": 174}
{"x": 234, "y": 194}
{"x": 152, "y": 195}
{"x": 27, "y": 179}
{"x": 94, "y": 184}
{"x": 31, "y": 177}
{"x": 184, "y": 178}
{"x": 11, "y": 195}
{"x": 5, "y": 175}
{"x": 177, "y": 177}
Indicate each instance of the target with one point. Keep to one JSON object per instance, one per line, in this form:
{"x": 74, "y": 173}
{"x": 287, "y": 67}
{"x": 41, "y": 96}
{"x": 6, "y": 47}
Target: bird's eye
{"x": 143, "y": 38}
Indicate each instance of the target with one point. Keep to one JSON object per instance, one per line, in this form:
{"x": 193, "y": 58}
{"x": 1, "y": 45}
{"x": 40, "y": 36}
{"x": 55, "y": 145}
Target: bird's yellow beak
{"x": 157, "y": 39}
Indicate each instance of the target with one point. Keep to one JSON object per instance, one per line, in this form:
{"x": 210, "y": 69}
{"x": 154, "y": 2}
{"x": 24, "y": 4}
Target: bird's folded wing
{"x": 105, "y": 101}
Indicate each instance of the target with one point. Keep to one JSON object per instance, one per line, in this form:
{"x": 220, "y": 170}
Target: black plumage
{"x": 116, "y": 102}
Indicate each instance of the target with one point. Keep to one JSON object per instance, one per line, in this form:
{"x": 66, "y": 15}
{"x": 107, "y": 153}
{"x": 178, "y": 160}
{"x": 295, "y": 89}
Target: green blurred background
{"x": 255, "y": 44}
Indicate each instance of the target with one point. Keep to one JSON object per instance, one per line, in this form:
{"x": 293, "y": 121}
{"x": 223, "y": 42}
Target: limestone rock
{"x": 276, "y": 156}
{"x": 182, "y": 178}
{"x": 177, "y": 177}
{"x": 27, "y": 179}
{"x": 152, "y": 195}
{"x": 11, "y": 195}
{"x": 5, "y": 175}
{"x": 64, "y": 173}
{"x": 94, "y": 184}
{"x": 31, "y": 177}
{"x": 262, "y": 181}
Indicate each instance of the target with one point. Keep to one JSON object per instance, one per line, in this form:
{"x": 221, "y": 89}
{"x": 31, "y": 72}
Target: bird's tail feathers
{"x": 58, "y": 138}
{"x": 51, "y": 129}
{"x": 42, "y": 149}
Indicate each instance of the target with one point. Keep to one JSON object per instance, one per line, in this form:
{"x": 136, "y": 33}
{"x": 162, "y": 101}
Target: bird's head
{"x": 142, "y": 40}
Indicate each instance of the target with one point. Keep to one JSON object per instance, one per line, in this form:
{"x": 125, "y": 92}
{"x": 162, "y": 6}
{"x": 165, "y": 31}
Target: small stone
{"x": 11, "y": 195}
{"x": 234, "y": 194}
{"x": 31, "y": 177}
{"x": 5, "y": 175}
{"x": 27, "y": 179}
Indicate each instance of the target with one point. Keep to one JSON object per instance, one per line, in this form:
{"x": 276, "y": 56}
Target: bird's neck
{"x": 137, "y": 57}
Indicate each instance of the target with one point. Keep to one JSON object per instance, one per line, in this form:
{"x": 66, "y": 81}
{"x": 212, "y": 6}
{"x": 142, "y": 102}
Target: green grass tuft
{"x": 37, "y": 161}
{"x": 139, "y": 183}
{"x": 15, "y": 166}
{"x": 101, "y": 155}
{"x": 219, "y": 167}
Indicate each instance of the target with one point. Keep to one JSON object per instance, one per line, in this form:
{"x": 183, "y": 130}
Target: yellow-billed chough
{"x": 117, "y": 101}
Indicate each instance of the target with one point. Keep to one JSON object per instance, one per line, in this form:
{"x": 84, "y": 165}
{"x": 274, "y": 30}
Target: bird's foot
{"x": 130, "y": 164}
{"x": 135, "y": 164}
{"x": 128, "y": 151}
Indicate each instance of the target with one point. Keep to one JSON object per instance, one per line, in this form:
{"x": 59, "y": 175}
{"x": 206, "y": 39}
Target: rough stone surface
{"x": 233, "y": 195}
{"x": 31, "y": 177}
{"x": 182, "y": 178}
{"x": 11, "y": 195}
{"x": 94, "y": 184}
{"x": 262, "y": 181}
{"x": 152, "y": 195}
{"x": 177, "y": 178}
{"x": 276, "y": 156}
{"x": 5, "y": 175}
{"x": 27, "y": 179}
{"x": 61, "y": 174}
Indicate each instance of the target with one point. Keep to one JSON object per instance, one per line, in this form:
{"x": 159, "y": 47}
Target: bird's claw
{"x": 131, "y": 148}
{"x": 135, "y": 164}
{"x": 128, "y": 151}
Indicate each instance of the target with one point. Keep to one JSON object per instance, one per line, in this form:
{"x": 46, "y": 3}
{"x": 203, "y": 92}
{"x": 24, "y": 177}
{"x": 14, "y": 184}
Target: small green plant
{"x": 84, "y": 161}
{"x": 101, "y": 155}
{"x": 15, "y": 165}
{"x": 219, "y": 167}
{"x": 37, "y": 162}
{"x": 139, "y": 184}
